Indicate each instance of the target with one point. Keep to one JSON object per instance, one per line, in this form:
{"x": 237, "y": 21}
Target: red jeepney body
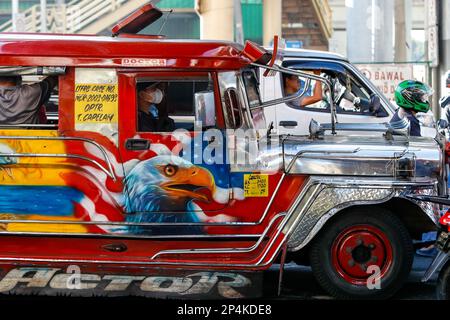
{"x": 68, "y": 192}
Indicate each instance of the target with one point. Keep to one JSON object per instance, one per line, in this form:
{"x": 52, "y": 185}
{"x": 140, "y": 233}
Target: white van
{"x": 357, "y": 99}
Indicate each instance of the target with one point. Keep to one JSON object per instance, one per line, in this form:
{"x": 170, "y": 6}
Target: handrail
{"x": 56, "y": 155}
{"x": 109, "y": 171}
{"x": 301, "y": 152}
{"x": 223, "y": 250}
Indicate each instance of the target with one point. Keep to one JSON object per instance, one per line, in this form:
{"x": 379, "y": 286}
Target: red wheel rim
{"x": 359, "y": 247}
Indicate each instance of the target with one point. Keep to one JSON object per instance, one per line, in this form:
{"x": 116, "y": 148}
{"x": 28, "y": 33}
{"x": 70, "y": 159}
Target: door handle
{"x": 288, "y": 123}
{"x": 137, "y": 144}
{"x": 115, "y": 247}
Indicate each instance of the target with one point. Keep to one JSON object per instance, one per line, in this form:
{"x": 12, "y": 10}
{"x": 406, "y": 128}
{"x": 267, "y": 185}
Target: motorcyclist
{"x": 412, "y": 97}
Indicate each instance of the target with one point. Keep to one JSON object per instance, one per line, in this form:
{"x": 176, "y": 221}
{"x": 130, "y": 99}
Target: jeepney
{"x": 91, "y": 204}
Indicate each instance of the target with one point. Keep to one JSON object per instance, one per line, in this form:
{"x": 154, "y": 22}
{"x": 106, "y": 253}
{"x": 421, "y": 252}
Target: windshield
{"x": 251, "y": 84}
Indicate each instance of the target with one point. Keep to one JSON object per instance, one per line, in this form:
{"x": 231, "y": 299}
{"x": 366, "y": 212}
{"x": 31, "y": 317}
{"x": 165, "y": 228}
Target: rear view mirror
{"x": 442, "y": 124}
{"x": 205, "y": 108}
{"x": 375, "y": 103}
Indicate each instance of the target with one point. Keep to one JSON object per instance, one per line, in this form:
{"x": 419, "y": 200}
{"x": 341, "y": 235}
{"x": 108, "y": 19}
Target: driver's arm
{"x": 317, "y": 94}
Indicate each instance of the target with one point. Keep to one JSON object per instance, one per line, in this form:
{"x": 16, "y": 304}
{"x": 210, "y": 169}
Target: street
{"x": 299, "y": 283}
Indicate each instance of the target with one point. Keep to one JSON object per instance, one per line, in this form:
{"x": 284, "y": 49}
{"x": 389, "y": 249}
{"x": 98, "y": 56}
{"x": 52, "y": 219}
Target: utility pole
{"x": 15, "y": 13}
{"x": 238, "y": 21}
{"x": 272, "y": 16}
{"x": 43, "y": 16}
{"x": 370, "y": 25}
{"x": 402, "y": 30}
{"x": 432, "y": 31}
{"x": 216, "y": 19}
{"x": 444, "y": 44}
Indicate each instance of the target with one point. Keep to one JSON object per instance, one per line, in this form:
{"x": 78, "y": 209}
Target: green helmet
{"x": 411, "y": 94}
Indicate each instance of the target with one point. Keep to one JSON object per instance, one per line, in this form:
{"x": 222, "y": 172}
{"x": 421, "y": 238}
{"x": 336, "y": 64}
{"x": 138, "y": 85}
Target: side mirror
{"x": 442, "y": 124}
{"x": 205, "y": 108}
{"x": 444, "y": 102}
{"x": 315, "y": 129}
{"x": 375, "y": 103}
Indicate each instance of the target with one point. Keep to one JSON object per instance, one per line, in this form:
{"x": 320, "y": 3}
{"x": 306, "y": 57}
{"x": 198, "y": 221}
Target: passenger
{"x": 152, "y": 110}
{"x": 412, "y": 97}
{"x": 24, "y": 103}
{"x": 292, "y": 86}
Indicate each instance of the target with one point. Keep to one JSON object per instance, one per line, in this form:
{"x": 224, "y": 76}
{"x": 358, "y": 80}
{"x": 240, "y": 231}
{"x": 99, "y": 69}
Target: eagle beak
{"x": 194, "y": 182}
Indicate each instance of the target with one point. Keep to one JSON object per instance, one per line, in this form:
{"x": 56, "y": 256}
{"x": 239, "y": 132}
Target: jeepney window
{"x": 254, "y": 99}
{"x": 164, "y": 105}
{"x": 32, "y": 101}
{"x": 49, "y": 115}
{"x": 252, "y": 88}
{"x": 232, "y": 106}
{"x": 313, "y": 97}
{"x": 349, "y": 96}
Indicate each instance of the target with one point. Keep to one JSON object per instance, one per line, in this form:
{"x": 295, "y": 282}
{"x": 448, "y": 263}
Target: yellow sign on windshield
{"x": 96, "y": 103}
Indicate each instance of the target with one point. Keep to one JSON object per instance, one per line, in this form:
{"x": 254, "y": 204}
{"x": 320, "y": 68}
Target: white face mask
{"x": 152, "y": 96}
{"x": 157, "y": 96}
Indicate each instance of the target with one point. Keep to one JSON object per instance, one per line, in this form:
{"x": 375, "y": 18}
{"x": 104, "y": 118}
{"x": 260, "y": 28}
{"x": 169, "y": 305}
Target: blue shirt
{"x": 414, "y": 124}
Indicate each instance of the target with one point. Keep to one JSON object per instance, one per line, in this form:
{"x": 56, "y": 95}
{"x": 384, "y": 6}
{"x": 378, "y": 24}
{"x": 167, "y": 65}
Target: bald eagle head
{"x": 166, "y": 184}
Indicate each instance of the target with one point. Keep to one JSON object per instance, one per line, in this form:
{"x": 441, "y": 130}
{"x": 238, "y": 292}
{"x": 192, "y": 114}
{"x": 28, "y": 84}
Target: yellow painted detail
{"x": 35, "y": 171}
{"x": 45, "y": 227}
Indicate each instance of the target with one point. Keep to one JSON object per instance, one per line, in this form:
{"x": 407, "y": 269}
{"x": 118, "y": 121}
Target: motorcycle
{"x": 441, "y": 263}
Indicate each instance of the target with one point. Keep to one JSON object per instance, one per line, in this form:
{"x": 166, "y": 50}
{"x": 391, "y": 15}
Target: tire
{"x": 356, "y": 246}
{"x": 443, "y": 283}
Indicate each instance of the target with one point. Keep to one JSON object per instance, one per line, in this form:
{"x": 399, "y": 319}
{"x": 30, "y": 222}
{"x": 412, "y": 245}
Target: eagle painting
{"x": 163, "y": 190}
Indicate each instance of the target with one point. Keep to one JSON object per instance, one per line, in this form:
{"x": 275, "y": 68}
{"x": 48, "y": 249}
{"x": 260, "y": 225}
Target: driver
{"x": 412, "y": 97}
{"x": 152, "y": 110}
{"x": 292, "y": 86}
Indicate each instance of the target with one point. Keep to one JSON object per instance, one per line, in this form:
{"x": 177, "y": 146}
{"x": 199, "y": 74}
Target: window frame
{"x": 173, "y": 76}
{"x": 40, "y": 126}
{"x": 339, "y": 111}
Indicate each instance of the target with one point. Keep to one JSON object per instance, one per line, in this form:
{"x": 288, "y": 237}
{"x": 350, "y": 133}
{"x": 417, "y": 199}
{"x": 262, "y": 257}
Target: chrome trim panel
{"x": 362, "y": 156}
{"x": 430, "y": 209}
{"x": 222, "y": 250}
{"x": 328, "y": 201}
{"x": 129, "y": 236}
{"x": 333, "y": 195}
{"x": 302, "y": 197}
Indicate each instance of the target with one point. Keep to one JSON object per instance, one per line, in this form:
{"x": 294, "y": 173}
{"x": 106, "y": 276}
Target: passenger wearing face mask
{"x": 152, "y": 110}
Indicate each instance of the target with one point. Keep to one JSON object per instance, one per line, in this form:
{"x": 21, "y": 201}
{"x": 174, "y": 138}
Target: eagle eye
{"x": 170, "y": 170}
